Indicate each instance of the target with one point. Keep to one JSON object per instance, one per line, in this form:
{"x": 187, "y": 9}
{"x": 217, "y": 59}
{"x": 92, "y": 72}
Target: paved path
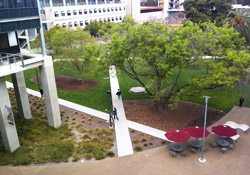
{"x": 158, "y": 161}
{"x": 123, "y": 140}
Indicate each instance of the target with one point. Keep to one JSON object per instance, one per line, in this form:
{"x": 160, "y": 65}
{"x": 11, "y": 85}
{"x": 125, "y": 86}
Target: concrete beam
{"x": 8, "y": 129}
{"x": 21, "y": 95}
{"x": 50, "y": 92}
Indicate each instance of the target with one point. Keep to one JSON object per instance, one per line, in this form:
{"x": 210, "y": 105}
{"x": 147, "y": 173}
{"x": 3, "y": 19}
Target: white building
{"x": 73, "y": 13}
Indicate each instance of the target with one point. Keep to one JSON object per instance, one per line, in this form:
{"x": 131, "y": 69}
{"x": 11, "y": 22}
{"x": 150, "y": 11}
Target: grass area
{"x": 223, "y": 99}
{"x": 94, "y": 98}
{"x": 43, "y": 144}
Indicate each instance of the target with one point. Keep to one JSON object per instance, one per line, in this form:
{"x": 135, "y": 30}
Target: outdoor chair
{"x": 193, "y": 150}
{"x": 172, "y": 153}
{"x": 231, "y": 146}
{"x": 214, "y": 145}
{"x": 168, "y": 145}
{"x": 223, "y": 149}
{"x": 184, "y": 153}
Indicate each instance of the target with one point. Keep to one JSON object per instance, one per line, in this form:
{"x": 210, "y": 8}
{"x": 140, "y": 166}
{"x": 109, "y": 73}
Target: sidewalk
{"x": 123, "y": 140}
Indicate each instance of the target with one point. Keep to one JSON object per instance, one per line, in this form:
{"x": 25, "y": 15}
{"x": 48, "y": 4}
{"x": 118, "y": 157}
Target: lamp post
{"x": 110, "y": 113}
{"x": 202, "y": 159}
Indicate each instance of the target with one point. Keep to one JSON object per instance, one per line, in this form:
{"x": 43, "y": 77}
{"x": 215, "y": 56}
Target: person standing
{"x": 115, "y": 114}
{"x": 241, "y": 101}
{"x": 118, "y": 93}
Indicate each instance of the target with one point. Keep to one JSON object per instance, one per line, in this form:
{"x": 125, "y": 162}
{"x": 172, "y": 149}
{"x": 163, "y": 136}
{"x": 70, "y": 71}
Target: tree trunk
{"x": 160, "y": 105}
{"x": 82, "y": 79}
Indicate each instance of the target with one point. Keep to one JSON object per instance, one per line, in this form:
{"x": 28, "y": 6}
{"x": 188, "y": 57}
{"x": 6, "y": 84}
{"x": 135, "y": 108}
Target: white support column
{"x": 76, "y": 2}
{"x": 8, "y": 131}
{"x": 96, "y": 2}
{"x": 21, "y": 95}
{"x": 50, "y": 3}
{"x": 50, "y": 92}
{"x": 64, "y": 3}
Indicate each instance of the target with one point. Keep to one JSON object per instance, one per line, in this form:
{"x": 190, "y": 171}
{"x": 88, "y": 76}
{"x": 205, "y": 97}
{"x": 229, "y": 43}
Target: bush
{"x": 110, "y": 154}
{"x": 138, "y": 148}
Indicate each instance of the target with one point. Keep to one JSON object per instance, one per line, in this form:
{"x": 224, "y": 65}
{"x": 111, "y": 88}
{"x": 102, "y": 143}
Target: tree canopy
{"x": 159, "y": 58}
{"x": 199, "y": 11}
{"x": 74, "y": 47}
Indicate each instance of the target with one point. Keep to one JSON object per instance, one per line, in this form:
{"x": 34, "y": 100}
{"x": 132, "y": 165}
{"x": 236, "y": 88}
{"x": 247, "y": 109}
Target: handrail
{"x": 11, "y": 58}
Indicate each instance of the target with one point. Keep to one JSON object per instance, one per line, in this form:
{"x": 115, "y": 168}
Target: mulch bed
{"x": 186, "y": 114}
{"x": 71, "y": 83}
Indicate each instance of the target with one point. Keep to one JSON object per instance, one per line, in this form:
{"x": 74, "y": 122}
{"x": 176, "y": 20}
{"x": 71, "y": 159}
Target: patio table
{"x": 223, "y": 142}
{"x": 196, "y": 143}
{"x": 177, "y": 147}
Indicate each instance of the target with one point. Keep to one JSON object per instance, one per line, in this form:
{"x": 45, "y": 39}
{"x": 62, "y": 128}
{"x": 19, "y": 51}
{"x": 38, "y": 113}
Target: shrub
{"x": 138, "y": 148}
{"x": 132, "y": 131}
{"x": 163, "y": 142}
{"x": 145, "y": 144}
{"x": 150, "y": 143}
{"x": 143, "y": 140}
{"x": 135, "y": 141}
{"x": 110, "y": 154}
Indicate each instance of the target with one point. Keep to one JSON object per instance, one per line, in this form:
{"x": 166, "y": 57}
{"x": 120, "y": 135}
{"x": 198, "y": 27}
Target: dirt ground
{"x": 71, "y": 83}
{"x": 186, "y": 114}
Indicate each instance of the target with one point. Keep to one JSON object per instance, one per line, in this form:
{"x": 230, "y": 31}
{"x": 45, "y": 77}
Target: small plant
{"x": 110, "y": 154}
{"x": 100, "y": 121}
{"x": 142, "y": 134}
{"x": 143, "y": 140}
{"x": 132, "y": 131}
{"x": 135, "y": 141}
{"x": 83, "y": 121}
{"x": 145, "y": 144}
{"x": 75, "y": 112}
{"x": 73, "y": 119}
{"x": 150, "y": 143}
{"x": 138, "y": 148}
{"x": 163, "y": 142}
{"x": 151, "y": 137}
{"x": 67, "y": 117}
{"x": 73, "y": 123}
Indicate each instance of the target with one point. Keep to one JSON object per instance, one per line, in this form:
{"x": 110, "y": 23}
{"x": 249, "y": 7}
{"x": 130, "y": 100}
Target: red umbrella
{"x": 223, "y": 130}
{"x": 196, "y": 131}
{"x": 177, "y": 135}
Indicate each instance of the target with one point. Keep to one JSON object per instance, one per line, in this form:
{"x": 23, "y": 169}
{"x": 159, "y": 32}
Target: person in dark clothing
{"x": 118, "y": 93}
{"x": 41, "y": 92}
{"x": 115, "y": 114}
{"x": 241, "y": 101}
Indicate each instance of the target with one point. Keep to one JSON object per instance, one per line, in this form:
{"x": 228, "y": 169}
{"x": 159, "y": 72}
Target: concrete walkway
{"x": 158, "y": 161}
{"x": 123, "y": 140}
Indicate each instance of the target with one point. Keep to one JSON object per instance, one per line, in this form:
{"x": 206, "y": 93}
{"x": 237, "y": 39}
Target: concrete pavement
{"x": 158, "y": 161}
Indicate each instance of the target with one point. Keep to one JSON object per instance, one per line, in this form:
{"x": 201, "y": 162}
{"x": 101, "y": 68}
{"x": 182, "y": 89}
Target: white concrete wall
{"x": 151, "y": 16}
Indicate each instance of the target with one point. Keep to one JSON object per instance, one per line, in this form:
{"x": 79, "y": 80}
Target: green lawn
{"x": 224, "y": 98}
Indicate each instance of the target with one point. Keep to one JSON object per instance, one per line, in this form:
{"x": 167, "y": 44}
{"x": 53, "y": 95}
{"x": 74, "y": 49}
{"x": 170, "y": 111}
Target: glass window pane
{"x": 70, "y": 2}
{"x": 81, "y": 2}
{"x": 57, "y": 2}
{"x": 91, "y": 2}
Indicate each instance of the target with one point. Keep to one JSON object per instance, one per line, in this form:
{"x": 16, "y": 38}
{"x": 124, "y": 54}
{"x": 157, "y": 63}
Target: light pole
{"x": 202, "y": 160}
{"x": 110, "y": 113}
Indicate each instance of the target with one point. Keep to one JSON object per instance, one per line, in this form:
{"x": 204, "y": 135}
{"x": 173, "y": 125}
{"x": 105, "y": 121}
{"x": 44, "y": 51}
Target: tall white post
{"x": 7, "y": 127}
{"x": 50, "y": 92}
{"x": 21, "y": 95}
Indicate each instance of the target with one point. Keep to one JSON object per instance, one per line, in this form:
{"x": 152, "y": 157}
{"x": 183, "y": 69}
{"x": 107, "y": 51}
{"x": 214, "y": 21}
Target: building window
{"x": 124, "y": 8}
{"x": 91, "y": 2}
{"x": 116, "y": 18}
{"x": 116, "y": 8}
{"x": 85, "y": 11}
{"x": 104, "y": 10}
{"x": 70, "y": 24}
{"x": 80, "y": 12}
{"x": 108, "y": 18}
{"x": 113, "y": 18}
{"x": 86, "y": 22}
{"x": 69, "y": 13}
{"x": 57, "y": 24}
{"x": 75, "y": 24}
{"x": 91, "y": 21}
{"x": 108, "y": 9}
{"x": 112, "y": 9}
{"x": 109, "y": 1}
{"x": 74, "y": 12}
{"x": 120, "y": 18}
{"x": 104, "y": 19}
{"x": 100, "y": 10}
{"x": 101, "y": 2}
{"x": 81, "y": 2}
{"x": 95, "y": 10}
{"x": 117, "y": 1}
{"x": 70, "y": 2}
{"x": 64, "y": 25}
{"x": 120, "y": 8}
{"x": 56, "y": 14}
{"x": 43, "y": 3}
{"x": 81, "y": 23}
{"x": 90, "y": 11}
{"x": 62, "y": 13}
{"x": 57, "y": 3}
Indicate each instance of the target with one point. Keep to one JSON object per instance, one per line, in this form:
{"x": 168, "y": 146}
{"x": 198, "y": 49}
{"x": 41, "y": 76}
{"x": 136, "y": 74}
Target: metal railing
{"x": 9, "y": 58}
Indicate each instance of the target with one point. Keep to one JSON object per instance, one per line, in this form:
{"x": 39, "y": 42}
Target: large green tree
{"x": 74, "y": 47}
{"x": 158, "y": 58}
{"x": 199, "y": 11}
